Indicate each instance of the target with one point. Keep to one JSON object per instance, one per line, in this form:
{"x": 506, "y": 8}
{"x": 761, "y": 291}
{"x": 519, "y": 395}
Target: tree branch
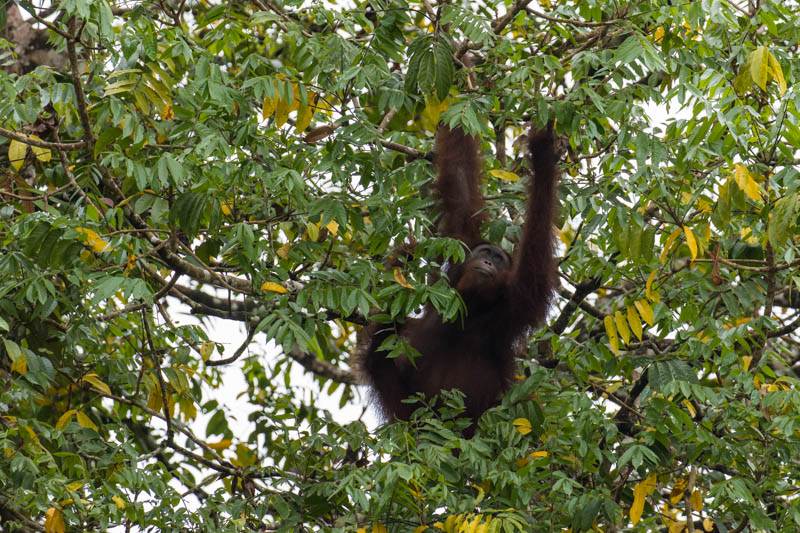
{"x": 323, "y": 368}
{"x": 21, "y": 137}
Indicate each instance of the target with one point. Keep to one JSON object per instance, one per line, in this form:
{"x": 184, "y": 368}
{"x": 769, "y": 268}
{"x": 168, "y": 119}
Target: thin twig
{"x": 573, "y": 22}
{"x": 251, "y": 330}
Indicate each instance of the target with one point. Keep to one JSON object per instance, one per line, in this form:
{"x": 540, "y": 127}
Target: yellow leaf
{"x": 283, "y": 251}
{"x": 333, "y": 227}
{"x": 429, "y": 118}
{"x": 154, "y": 400}
{"x": 759, "y": 66}
{"x": 93, "y": 240}
{"x": 653, "y": 297}
{"x": 747, "y": 235}
{"x": 690, "y": 408}
{"x": 746, "y": 360}
{"x": 532, "y": 456}
{"x": 303, "y": 118}
{"x": 640, "y": 492}
{"x": 378, "y": 528}
{"x": 622, "y": 327}
{"x": 472, "y": 526}
{"x": 635, "y": 322}
{"x": 649, "y": 484}
{"x": 696, "y": 500}
{"x": 54, "y": 521}
{"x": 85, "y": 421}
{"x": 295, "y": 98}
{"x": 708, "y": 524}
{"x": 76, "y": 485}
{"x": 16, "y": 153}
{"x": 415, "y": 490}
{"x": 658, "y": 35}
{"x": 401, "y": 279}
{"x": 63, "y": 420}
{"x": 281, "y": 113}
{"x": 206, "y": 349}
{"x": 744, "y": 179}
{"x": 273, "y": 287}
{"x": 675, "y": 526}
{"x": 645, "y": 310}
{"x": 611, "y": 330}
{"x": 691, "y": 242}
{"x": 637, "y": 507}
{"x": 668, "y": 244}
{"x": 226, "y": 207}
{"x": 42, "y": 154}
{"x": 188, "y": 409}
{"x": 313, "y": 231}
{"x": 224, "y": 444}
{"x": 130, "y": 263}
{"x": 119, "y": 501}
{"x": 20, "y": 364}
{"x": 777, "y": 72}
{"x": 268, "y": 107}
{"x": 31, "y": 433}
{"x": 567, "y": 233}
{"x": 93, "y": 379}
{"x": 677, "y": 494}
{"x": 523, "y": 425}
{"x": 504, "y": 175}
{"x": 739, "y": 173}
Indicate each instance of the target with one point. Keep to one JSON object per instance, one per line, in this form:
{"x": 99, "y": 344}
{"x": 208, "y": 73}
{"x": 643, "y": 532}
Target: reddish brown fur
{"x": 459, "y": 185}
{"x": 474, "y": 354}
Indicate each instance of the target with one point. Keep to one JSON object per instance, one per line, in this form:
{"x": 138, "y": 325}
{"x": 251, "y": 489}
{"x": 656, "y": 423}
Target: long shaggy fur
{"x": 476, "y": 354}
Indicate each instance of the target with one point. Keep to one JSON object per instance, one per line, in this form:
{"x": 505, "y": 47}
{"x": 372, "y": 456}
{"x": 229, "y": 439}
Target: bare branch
{"x": 323, "y": 368}
{"x": 21, "y": 137}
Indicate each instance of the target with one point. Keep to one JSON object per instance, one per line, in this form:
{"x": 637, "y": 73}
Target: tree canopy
{"x": 258, "y": 162}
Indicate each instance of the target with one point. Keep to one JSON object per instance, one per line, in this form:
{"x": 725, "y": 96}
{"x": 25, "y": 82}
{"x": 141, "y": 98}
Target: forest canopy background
{"x": 258, "y": 161}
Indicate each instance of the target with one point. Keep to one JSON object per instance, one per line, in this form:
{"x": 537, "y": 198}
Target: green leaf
{"x": 783, "y": 223}
{"x": 188, "y": 212}
{"x": 427, "y": 71}
{"x": 445, "y": 72}
{"x": 629, "y": 50}
{"x": 106, "y": 137}
{"x": 662, "y": 373}
{"x": 588, "y": 514}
